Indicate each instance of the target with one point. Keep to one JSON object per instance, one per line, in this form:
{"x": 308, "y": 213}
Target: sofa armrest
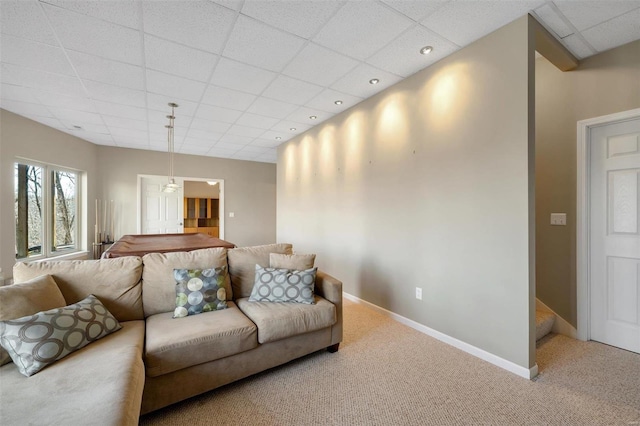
{"x": 331, "y": 289}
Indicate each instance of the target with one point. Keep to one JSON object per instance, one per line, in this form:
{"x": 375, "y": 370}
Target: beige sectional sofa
{"x": 156, "y": 360}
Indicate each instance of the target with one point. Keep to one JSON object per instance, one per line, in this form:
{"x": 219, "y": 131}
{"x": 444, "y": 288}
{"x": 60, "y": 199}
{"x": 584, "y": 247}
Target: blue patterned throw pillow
{"x": 199, "y": 290}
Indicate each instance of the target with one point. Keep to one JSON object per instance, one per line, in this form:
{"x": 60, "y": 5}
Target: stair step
{"x": 544, "y": 323}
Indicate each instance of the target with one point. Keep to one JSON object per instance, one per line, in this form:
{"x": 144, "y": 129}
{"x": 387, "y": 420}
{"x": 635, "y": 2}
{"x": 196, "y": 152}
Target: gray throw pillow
{"x": 35, "y": 341}
{"x": 199, "y": 290}
{"x": 283, "y": 285}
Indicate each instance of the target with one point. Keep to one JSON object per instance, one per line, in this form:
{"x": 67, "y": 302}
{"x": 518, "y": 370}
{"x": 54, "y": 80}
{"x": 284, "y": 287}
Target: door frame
{"x": 582, "y": 214}
{"x": 182, "y": 179}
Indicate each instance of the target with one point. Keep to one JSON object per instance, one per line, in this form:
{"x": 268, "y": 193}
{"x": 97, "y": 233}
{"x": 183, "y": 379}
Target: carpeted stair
{"x": 544, "y": 323}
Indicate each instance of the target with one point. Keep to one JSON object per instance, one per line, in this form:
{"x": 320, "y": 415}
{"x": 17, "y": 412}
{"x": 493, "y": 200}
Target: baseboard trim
{"x": 560, "y": 325}
{"x": 527, "y": 373}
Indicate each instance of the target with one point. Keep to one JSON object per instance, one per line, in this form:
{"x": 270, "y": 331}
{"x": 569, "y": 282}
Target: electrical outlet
{"x": 418, "y": 293}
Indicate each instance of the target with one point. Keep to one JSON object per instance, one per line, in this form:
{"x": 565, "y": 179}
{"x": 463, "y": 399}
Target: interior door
{"x": 162, "y": 212}
{"x": 614, "y": 266}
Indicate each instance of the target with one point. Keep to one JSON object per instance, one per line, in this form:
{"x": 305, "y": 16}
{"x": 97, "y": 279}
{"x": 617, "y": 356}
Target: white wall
{"x": 429, "y": 184}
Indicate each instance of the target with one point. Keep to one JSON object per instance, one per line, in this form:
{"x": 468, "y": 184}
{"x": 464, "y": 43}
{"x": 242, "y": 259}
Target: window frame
{"x": 48, "y": 214}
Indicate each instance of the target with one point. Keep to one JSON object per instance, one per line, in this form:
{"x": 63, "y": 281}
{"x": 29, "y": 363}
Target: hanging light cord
{"x": 170, "y": 139}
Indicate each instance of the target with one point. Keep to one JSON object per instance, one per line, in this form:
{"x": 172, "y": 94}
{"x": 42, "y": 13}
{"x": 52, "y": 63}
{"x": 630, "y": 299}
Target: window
{"x": 46, "y": 208}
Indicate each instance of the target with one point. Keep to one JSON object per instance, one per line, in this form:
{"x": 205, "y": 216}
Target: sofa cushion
{"x": 199, "y": 290}
{"x": 101, "y": 384}
{"x": 243, "y": 261}
{"x": 19, "y": 300}
{"x": 283, "y": 285}
{"x": 298, "y": 262}
{"x": 116, "y": 282}
{"x": 38, "y": 340}
{"x": 158, "y": 282}
{"x": 173, "y": 344}
{"x": 277, "y": 321}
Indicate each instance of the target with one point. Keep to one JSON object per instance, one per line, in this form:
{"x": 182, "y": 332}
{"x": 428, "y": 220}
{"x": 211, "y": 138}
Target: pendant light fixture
{"x": 171, "y": 186}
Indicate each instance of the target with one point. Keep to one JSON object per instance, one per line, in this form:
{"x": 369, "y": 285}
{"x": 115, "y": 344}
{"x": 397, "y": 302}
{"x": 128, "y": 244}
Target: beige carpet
{"x": 388, "y": 374}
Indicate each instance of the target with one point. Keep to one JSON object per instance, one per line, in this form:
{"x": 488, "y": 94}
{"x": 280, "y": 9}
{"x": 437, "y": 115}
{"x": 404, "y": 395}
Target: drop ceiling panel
{"x": 91, "y": 35}
{"x": 200, "y": 24}
{"x": 586, "y": 14}
{"x": 63, "y": 101}
{"x": 618, "y": 31}
{"x": 302, "y": 18}
{"x": 578, "y": 46}
{"x": 159, "y": 105}
{"x": 356, "y": 82}
{"x": 402, "y": 56}
{"x": 230, "y": 139}
{"x": 115, "y": 94}
{"x": 273, "y": 134}
{"x": 173, "y": 86}
{"x": 302, "y": 114}
{"x": 209, "y": 125}
{"x": 255, "y": 43}
{"x": 350, "y": 30}
{"x": 124, "y": 111}
{"x": 193, "y": 149}
{"x": 47, "y": 121}
{"x": 26, "y": 20}
{"x": 319, "y": 65}
{"x": 203, "y": 135}
{"x": 245, "y": 78}
{"x": 258, "y": 121}
{"x": 28, "y": 77}
{"x": 95, "y": 68}
{"x": 325, "y": 101}
{"x": 553, "y": 20}
{"x": 228, "y": 98}
{"x": 271, "y": 108}
{"x": 415, "y": 9}
{"x": 25, "y": 108}
{"x": 248, "y": 132}
{"x": 291, "y": 90}
{"x": 86, "y": 128}
{"x": 176, "y": 59}
{"x": 221, "y": 152}
{"x": 230, "y": 4}
{"x": 226, "y": 115}
{"x": 76, "y": 116}
{"x": 253, "y": 149}
{"x": 232, "y": 147}
{"x": 31, "y": 54}
{"x": 266, "y": 143}
{"x": 11, "y": 92}
{"x": 286, "y": 126}
{"x": 465, "y": 22}
{"x": 125, "y": 123}
{"x": 123, "y": 12}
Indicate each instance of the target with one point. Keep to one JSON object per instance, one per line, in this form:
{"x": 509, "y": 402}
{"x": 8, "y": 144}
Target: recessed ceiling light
{"x": 293, "y": 129}
{"x": 75, "y": 126}
{"x": 374, "y": 81}
{"x": 338, "y": 102}
{"x": 426, "y": 50}
{"x": 313, "y": 117}
{"x": 278, "y": 138}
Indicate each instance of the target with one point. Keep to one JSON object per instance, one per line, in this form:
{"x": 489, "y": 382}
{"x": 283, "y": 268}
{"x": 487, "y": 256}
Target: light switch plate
{"x": 558, "y": 219}
{"x": 232, "y": 214}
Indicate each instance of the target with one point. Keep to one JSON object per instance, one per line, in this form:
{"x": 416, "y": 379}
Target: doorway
{"x": 608, "y": 233}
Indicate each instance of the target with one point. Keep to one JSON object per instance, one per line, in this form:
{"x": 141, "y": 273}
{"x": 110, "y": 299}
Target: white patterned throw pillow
{"x": 283, "y": 285}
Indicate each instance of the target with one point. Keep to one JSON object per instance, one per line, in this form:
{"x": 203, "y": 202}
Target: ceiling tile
{"x": 258, "y": 44}
{"x": 553, "y": 21}
{"x": 230, "y": 4}
{"x": 28, "y": 77}
{"x": 578, "y": 47}
{"x": 99, "y": 139}
{"x": 356, "y": 82}
{"x": 415, "y": 9}
{"x": 203, "y": 135}
{"x": 615, "y": 32}
{"x": 31, "y": 54}
{"x": 248, "y": 132}
{"x": 350, "y": 30}
{"x": 171, "y": 85}
{"x": 85, "y": 128}
{"x": 121, "y": 133}
{"x": 63, "y": 101}
{"x": 285, "y": 126}
{"x": 463, "y": 22}
{"x": 94, "y": 36}
{"x": 209, "y": 125}
{"x": 302, "y": 114}
{"x": 76, "y": 116}
{"x": 319, "y": 65}
{"x": 122, "y": 12}
{"x": 193, "y": 149}
{"x": 221, "y": 152}
{"x": 12, "y": 92}
{"x": 246, "y": 78}
{"x": 26, "y": 20}
{"x": 25, "y": 108}
{"x": 115, "y": 94}
{"x": 172, "y": 58}
{"x": 227, "y": 98}
{"x": 291, "y": 90}
{"x": 267, "y": 143}
{"x": 302, "y": 18}
{"x": 247, "y": 156}
{"x": 587, "y": 13}
{"x": 209, "y": 112}
{"x": 223, "y": 144}
{"x": 125, "y": 123}
{"x": 47, "y": 121}
{"x": 200, "y": 24}
{"x": 402, "y": 56}
{"x": 325, "y": 101}
{"x": 235, "y": 139}
{"x": 253, "y": 149}
{"x": 258, "y": 121}
{"x": 271, "y": 108}
{"x": 95, "y": 68}
{"x": 160, "y": 103}
{"x": 124, "y": 111}
{"x": 269, "y": 156}
{"x": 272, "y": 134}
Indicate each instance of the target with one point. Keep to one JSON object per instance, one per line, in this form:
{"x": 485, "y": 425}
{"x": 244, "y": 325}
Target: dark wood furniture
{"x": 139, "y": 245}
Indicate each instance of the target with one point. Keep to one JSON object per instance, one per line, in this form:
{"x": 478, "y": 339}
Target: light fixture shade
{"x": 172, "y": 186}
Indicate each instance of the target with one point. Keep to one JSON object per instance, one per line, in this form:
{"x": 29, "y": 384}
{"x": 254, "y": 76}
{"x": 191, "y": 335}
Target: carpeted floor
{"x": 389, "y": 374}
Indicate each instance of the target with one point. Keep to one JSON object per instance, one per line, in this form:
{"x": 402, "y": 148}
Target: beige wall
{"x": 197, "y": 189}
{"x": 24, "y": 138}
{"x": 249, "y": 189}
{"x": 602, "y": 84}
{"x": 428, "y": 185}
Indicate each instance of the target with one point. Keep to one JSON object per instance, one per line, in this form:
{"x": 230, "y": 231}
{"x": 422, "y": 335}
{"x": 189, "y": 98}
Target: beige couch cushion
{"x": 158, "y": 283}
{"x": 243, "y": 261}
{"x": 298, "y": 262}
{"x": 101, "y": 384}
{"x": 28, "y": 298}
{"x": 176, "y": 343}
{"x": 277, "y": 321}
{"x": 116, "y": 282}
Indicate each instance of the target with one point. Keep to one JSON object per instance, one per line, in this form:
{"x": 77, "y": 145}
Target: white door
{"x": 162, "y": 212}
{"x": 614, "y": 240}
